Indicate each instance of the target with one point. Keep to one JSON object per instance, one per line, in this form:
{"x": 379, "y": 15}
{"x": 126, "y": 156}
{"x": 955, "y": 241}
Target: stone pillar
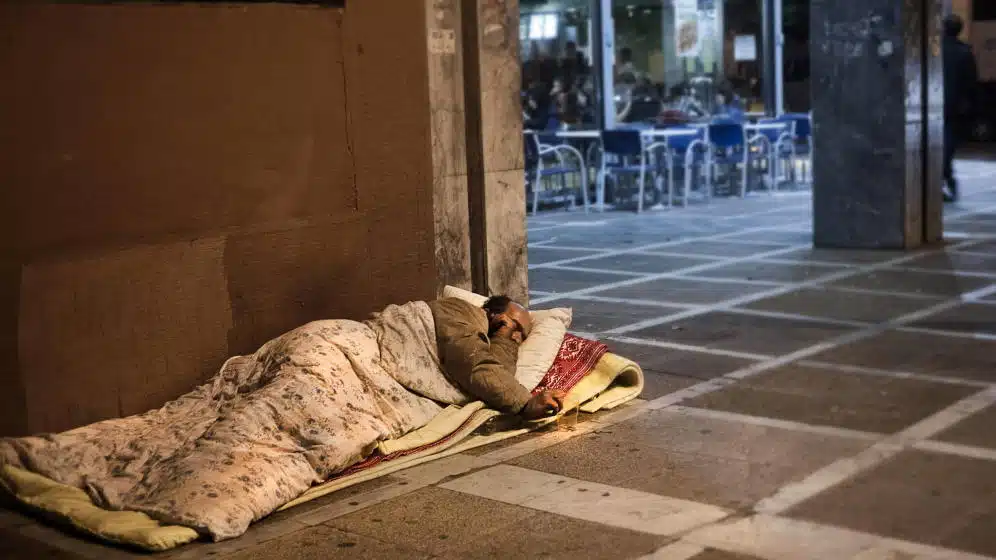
{"x": 449, "y": 144}
{"x": 876, "y": 80}
{"x": 496, "y": 184}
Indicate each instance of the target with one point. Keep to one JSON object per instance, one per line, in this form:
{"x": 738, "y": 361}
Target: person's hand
{"x": 543, "y": 404}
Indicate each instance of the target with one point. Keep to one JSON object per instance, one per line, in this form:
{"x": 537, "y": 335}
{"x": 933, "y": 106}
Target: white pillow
{"x": 537, "y": 353}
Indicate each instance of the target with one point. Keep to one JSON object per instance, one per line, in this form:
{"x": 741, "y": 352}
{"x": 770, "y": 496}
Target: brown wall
{"x": 184, "y": 182}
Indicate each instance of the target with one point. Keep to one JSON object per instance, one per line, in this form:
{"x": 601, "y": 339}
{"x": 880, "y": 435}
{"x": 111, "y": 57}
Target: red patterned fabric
{"x": 577, "y": 357}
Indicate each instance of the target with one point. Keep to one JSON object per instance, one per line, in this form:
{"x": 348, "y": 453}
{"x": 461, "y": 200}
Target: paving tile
{"x": 679, "y": 363}
{"x": 843, "y": 256}
{"x": 744, "y": 333}
{"x": 821, "y": 397}
{"x": 988, "y": 247}
{"x": 976, "y": 430}
{"x": 643, "y": 262}
{"x": 833, "y": 304}
{"x": 975, "y": 534}
{"x": 684, "y": 291}
{"x": 700, "y": 459}
{"x": 919, "y": 353}
{"x": 560, "y": 281}
{"x": 434, "y": 520}
{"x": 914, "y": 282}
{"x": 917, "y": 496}
{"x": 953, "y": 261}
{"x": 660, "y": 384}
{"x": 771, "y": 271}
{"x": 321, "y": 542}
{"x": 720, "y": 248}
{"x": 543, "y": 255}
{"x": 596, "y": 316}
{"x": 776, "y": 236}
{"x": 556, "y": 536}
{"x": 967, "y": 317}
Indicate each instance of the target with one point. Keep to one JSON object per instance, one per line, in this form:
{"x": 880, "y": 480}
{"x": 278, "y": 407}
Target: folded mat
{"x": 595, "y": 380}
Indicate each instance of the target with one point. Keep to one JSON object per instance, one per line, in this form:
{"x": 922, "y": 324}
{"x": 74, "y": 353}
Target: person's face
{"x": 523, "y": 324}
{"x": 514, "y": 323}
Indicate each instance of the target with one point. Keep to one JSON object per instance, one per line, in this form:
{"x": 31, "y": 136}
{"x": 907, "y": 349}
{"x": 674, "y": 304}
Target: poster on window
{"x": 687, "y": 31}
{"x": 984, "y": 45}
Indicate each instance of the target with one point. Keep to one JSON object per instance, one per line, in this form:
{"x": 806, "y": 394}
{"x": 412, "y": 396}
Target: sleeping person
{"x": 305, "y": 406}
{"x": 479, "y": 348}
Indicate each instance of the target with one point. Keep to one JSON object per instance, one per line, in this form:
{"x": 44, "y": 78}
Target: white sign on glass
{"x": 744, "y": 48}
{"x": 687, "y": 32}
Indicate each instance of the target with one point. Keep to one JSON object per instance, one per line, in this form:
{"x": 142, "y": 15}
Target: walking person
{"x": 960, "y": 86}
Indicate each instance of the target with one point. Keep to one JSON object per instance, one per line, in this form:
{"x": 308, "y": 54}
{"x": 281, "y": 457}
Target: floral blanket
{"x": 267, "y": 427}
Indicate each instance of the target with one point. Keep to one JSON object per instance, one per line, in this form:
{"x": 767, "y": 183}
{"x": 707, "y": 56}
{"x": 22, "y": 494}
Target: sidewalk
{"x": 800, "y": 404}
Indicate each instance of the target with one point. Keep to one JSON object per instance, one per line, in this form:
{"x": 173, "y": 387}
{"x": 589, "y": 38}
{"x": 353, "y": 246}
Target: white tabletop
{"x": 578, "y": 134}
{"x": 668, "y": 132}
{"x": 766, "y": 126}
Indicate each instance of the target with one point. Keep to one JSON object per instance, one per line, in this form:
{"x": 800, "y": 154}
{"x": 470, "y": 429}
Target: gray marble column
{"x": 877, "y": 107}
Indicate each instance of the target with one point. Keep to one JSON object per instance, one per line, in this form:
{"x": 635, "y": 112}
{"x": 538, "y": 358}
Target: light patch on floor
{"x": 599, "y": 503}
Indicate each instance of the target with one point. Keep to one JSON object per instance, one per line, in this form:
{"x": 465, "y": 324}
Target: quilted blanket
{"x": 265, "y": 429}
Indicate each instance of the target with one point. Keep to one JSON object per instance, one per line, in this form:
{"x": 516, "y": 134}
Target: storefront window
{"x": 558, "y": 80}
{"x": 669, "y": 59}
{"x": 686, "y": 58}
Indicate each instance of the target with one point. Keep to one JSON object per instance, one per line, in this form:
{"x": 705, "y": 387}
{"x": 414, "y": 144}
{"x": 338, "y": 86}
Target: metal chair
{"x": 536, "y": 151}
{"x": 684, "y": 148}
{"x": 624, "y": 144}
{"x": 801, "y": 129}
{"x": 727, "y": 145}
{"x": 776, "y": 143}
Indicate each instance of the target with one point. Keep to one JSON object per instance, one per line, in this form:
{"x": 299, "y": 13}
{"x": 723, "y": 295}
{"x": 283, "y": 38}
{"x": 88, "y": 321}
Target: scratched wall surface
{"x": 186, "y": 182}
{"x": 501, "y": 128}
{"x": 871, "y": 103}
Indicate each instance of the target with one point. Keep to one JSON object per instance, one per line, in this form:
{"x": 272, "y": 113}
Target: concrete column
{"x": 496, "y": 185}
{"x": 449, "y": 144}
{"x": 876, "y": 109}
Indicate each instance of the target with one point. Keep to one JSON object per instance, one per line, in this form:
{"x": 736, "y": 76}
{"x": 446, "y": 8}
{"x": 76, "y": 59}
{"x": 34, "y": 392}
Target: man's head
{"x": 953, "y": 25}
{"x": 507, "y": 318}
{"x": 625, "y": 55}
{"x": 571, "y": 48}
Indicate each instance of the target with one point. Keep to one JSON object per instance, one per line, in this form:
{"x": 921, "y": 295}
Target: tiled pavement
{"x": 800, "y": 404}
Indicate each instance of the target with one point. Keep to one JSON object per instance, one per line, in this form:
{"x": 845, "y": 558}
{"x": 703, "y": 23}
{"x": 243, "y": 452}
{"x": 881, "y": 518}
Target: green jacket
{"x": 479, "y": 365}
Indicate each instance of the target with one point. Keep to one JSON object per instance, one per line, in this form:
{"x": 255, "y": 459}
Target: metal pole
{"x": 606, "y": 52}
{"x": 769, "y": 72}
{"x": 779, "y": 62}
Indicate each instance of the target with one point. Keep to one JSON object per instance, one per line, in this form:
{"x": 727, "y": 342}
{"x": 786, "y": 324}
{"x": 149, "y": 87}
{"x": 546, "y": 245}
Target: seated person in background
{"x": 728, "y": 103}
{"x": 479, "y": 348}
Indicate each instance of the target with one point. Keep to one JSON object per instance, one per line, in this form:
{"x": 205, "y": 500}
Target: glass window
{"x": 686, "y": 59}
{"x": 558, "y": 85}
{"x": 795, "y": 55}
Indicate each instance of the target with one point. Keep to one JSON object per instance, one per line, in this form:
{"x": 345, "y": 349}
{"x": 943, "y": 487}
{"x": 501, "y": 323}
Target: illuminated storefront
{"x": 596, "y": 63}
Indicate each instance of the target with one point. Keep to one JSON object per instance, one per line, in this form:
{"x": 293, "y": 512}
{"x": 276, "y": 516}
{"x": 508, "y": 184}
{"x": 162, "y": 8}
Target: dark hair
{"x": 496, "y": 305}
{"x": 571, "y": 45}
{"x": 953, "y": 25}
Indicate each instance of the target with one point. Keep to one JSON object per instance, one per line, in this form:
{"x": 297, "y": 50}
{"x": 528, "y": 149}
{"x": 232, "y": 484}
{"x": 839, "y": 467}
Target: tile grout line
{"x": 770, "y": 422}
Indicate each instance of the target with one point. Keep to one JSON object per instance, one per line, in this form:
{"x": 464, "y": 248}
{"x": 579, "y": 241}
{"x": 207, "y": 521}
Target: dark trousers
{"x": 952, "y": 138}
